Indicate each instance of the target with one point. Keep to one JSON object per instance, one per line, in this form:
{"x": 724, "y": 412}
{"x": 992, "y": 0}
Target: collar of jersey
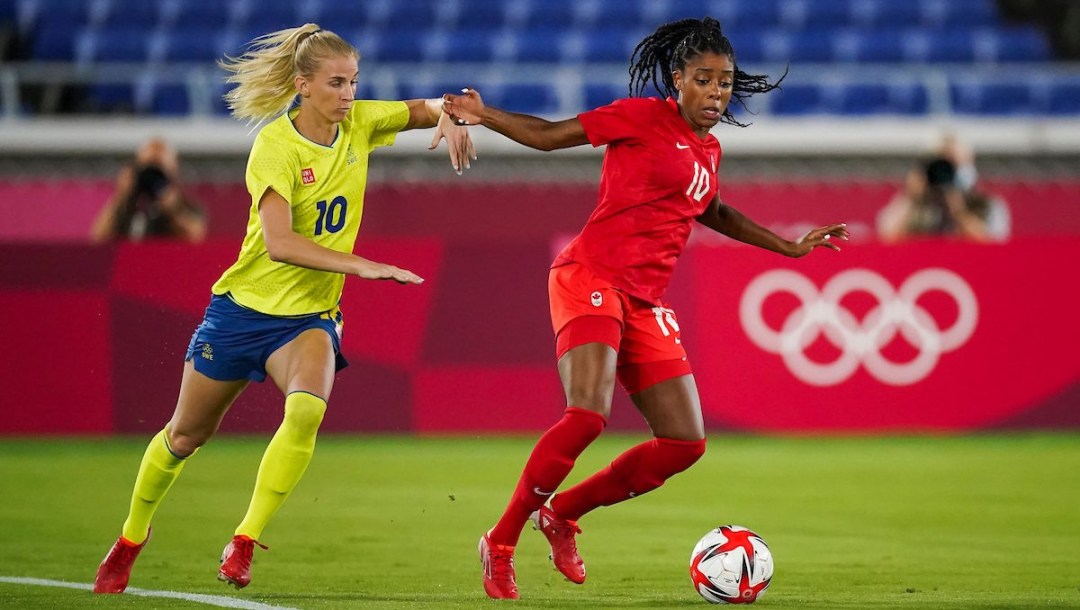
{"x": 289, "y": 117}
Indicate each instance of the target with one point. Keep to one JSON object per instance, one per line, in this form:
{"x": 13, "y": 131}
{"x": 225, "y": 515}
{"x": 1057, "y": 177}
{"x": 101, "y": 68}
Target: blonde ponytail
{"x": 265, "y": 74}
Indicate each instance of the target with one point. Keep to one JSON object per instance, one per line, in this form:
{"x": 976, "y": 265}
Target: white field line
{"x": 212, "y": 600}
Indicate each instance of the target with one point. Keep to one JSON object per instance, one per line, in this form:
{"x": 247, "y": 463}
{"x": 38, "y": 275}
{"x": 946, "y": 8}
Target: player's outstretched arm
{"x": 728, "y": 221}
{"x": 534, "y": 132}
{"x": 284, "y": 245}
{"x": 429, "y": 113}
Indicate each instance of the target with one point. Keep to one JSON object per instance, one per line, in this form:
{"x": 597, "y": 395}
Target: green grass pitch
{"x": 392, "y": 522}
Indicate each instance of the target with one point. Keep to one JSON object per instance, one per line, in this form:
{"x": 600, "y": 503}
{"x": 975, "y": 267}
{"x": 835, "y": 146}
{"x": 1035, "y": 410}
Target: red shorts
{"x": 647, "y": 337}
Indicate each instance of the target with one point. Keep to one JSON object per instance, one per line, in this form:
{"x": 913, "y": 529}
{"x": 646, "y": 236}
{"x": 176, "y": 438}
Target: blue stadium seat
{"x": 411, "y": 16}
{"x": 121, "y": 44}
{"x": 113, "y": 97}
{"x": 527, "y": 98}
{"x": 796, "y": 99}
{"x": 683, "y": 9}
{"x": 1064, "y": 99}
{"x": 863, "y": 99}
{"x": 170, "y": 100}
{"x": 885, "y": 14}
{"x": 193, "y": 45}
{"x": 597, "y": 95}
{"x": 752, "y": 14}
{"x": 132, "y": 14}
{"x": 269, "y": 17}
{"x": 819, "y": 14}
{"x": 944, "y": 14}
{"x": 482, "y": 15}
{"x": 201, "y": 13}
{"x": 617, "y": 14}
{"x": 53, "y": 42}
{"x": 955, "y": 46}
{"x": 609, "y": 45}
{"x": 881, "y": 46}
{"x": 540, "y": 45}
{"x": 748, "y": 47}
{"x": 343, "y": 16}
{"x": 393, "y": 47}
{"x": 550, "y": 14}
{"x": 466, "y": 45}
{"x": 1022, "y": 44}
{"x": 993, "y": 98}
{"x": 812, "y": 46}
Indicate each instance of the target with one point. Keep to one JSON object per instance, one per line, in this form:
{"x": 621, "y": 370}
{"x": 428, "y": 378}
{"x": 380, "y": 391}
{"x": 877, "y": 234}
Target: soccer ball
{"x": 731, "y": 565}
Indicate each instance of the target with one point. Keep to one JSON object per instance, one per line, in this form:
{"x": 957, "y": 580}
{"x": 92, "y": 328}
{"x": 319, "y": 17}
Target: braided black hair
{"x": 673, "y": 44}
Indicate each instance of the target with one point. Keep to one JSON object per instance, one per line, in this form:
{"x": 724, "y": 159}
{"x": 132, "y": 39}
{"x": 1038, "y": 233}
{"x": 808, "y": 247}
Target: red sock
{"x": 551, "y": 460}
{"x": 639, "y": 470}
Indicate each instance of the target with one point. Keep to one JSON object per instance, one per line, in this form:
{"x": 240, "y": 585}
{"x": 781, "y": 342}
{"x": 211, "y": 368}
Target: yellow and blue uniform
{"x": 259, "y": 304}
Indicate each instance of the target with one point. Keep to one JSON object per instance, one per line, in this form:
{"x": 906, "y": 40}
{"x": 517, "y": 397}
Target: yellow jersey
{"x": 324, "y": 186}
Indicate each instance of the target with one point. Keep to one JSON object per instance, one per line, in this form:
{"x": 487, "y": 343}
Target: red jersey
{"x": 658, "y": 177}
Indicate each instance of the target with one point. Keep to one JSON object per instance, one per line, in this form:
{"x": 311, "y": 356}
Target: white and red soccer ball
{"x": 731, "y": 565}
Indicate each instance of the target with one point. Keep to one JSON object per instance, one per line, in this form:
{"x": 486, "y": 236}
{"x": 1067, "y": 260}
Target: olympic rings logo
{"x": 860, "y": 342}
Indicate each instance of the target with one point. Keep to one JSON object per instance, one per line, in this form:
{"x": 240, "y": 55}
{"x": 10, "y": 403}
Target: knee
{"x": 680, "y": 455}
{"x": 183, "y": 443}
{"x": 304, "y": 412}
{"x": 594, "y": 397}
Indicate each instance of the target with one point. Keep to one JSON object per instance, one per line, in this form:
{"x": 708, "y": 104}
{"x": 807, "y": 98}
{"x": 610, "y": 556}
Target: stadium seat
{"x": 539, "y": 45}
{"x": 885, "y": 14}
{"x": 527, "y": 98}
{"x": 609, "y": 45}
{"x": 463, "y": 46}
{"x": 170, "y": 100}
{"x": 414, "y": 16}
{"x": 131, "y": 14}
{"x": 481, "y": 16}
{"x": 1026, "y": 44}
{"x": 796, "y": 99}
{"x": 113, "y": 97}
{"x": 343, "y": 16}
{"x": 550, "y": 14}
{"x": 1064, "y": 99}
{"x": 121, "y": 44}
{"x": 199, "y": 13}
{"x": 53, "y": 42}
{"x": 193, "y": 45}
{"x": 946, "y": 14}
{"x": 975, "y": 97}
{"x": 267, "y": 17}
{"x": 868, "y": 99}
{"x": 748, "y": 47}
{"x": 597, "y": 95}
{"x": 804, "y": 14}
{"x": 756, "y": 14}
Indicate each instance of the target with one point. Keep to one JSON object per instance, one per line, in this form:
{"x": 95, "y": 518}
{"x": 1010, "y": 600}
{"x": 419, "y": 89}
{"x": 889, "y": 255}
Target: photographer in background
{"x": 941, "y": 198}
{"x": 148, "y": 201}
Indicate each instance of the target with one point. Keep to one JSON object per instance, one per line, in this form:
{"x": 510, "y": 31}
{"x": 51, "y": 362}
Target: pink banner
{"x": 931, "y": 336}
{"x": 938, "y": 336}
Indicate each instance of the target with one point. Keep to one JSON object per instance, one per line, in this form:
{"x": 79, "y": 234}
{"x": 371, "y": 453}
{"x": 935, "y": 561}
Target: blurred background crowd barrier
{"x": 933, "y": 334}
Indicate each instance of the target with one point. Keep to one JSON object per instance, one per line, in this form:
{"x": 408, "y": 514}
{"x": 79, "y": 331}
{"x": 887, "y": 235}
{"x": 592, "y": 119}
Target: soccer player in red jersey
{"x": 606, "y": 287}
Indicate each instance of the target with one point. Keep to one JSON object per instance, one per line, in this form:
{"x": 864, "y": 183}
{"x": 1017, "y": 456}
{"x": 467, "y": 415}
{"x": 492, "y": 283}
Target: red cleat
{"x": 236, "y": 561}
{"x": 115, "y": 569}
{"x": 498, "y": 562}
{"x": 560, "y": 535}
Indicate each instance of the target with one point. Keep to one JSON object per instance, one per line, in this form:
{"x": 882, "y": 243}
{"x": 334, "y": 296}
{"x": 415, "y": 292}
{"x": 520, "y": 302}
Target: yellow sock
{"x": 286, "y": 458}
{"x": 157, "y": 472}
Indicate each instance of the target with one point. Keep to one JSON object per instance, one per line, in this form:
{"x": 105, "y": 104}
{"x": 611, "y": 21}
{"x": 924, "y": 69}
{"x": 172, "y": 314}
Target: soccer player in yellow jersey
{"x": 275, "y": 311}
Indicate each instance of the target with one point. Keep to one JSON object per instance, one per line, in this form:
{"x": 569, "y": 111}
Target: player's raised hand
{"x": 465, "y": 109}
{"x": 370, "y": 270}
{"x": 458, "y": 141}
{"x": 820, "y": 237}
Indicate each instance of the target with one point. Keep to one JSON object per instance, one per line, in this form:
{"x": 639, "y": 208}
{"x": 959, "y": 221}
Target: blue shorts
{"x": 233, "y": 341}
